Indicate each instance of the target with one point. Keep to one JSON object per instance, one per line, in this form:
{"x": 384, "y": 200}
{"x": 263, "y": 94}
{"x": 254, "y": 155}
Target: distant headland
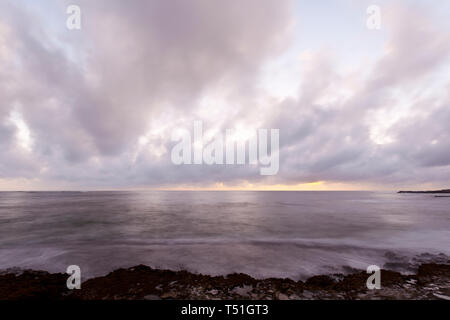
{"x": 433, "y": 191}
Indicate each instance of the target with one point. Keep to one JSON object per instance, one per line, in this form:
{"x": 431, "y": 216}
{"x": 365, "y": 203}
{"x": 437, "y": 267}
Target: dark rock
{"x": 430, "y": 271}
{"x": 320, "y": 282}
{"x": 432, "y": 192}
{"x": 33, "y": 285}
{"x": 432, "y": 281}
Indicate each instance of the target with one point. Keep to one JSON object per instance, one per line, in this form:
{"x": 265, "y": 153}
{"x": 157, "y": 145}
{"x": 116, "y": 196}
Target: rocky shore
{"x": 432, "y": 281}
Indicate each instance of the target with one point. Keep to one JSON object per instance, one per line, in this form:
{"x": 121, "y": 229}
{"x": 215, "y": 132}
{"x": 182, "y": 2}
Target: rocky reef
{"x": 432, "y": 281}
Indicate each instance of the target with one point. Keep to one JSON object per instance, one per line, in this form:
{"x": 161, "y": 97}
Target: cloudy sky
{"x": 95, "y": 108}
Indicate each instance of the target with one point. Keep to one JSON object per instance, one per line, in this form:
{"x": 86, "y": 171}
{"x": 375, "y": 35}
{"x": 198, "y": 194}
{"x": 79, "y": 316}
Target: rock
{"x": 320, "y": 282}
{"x": 441, "y": 296}
{"x": 255, "y": 296}
{"x": 32, "y": 285}
{"x": 430, "y": 270}
{"x": 151, "y": 297}
{"x": 432, "y": 191}
{"x": 432, "y": 281}
{"x": 282, "y": 296}
{"x": 169, "y": 295}
{"x": 242, "y": 291}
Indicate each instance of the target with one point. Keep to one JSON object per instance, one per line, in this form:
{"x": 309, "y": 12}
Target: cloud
{"x": 100, "y": 103}
{"x": 335, "y": 141}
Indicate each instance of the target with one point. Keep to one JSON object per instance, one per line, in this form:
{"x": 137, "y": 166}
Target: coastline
{"x": 431, "y": 281}
{"x": 443, "y": 191}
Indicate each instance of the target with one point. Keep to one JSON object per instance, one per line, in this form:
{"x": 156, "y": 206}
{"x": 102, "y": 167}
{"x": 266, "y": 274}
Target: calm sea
{"x": 265, "y": 234}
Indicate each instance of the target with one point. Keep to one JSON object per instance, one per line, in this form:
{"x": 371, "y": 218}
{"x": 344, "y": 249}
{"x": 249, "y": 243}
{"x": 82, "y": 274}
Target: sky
{"x": 95, "y": 108}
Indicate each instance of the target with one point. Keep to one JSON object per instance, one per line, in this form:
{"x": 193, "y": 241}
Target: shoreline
{"x": 443, "y": 191}
{"x": 431, "y": 281}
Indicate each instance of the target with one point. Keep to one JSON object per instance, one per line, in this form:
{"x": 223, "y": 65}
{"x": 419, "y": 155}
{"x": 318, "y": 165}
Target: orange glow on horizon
{"x": 310, "y": 186}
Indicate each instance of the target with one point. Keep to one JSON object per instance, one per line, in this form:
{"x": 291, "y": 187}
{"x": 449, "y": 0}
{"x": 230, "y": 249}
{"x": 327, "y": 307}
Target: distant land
{"x": 435, "y": 191}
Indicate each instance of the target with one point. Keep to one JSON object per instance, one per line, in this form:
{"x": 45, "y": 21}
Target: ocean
{"x": 261, "y": 233}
